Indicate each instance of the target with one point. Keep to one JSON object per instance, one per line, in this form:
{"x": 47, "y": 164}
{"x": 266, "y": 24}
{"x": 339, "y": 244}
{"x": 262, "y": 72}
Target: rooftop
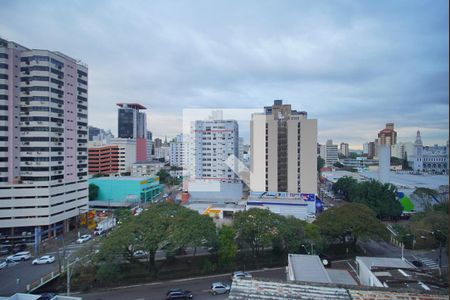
{"x": 257, "y": 289}
{"x": 132, "y": 105}
{"x": 385, "y": 262}
{"x": 307, "y": 268}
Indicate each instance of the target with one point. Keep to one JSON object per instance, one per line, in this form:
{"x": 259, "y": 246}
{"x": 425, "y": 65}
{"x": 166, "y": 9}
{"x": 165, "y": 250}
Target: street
{"x": 157, "y": 290}
{"x": 430, "y": 258}
{"x": 28, "y": 273}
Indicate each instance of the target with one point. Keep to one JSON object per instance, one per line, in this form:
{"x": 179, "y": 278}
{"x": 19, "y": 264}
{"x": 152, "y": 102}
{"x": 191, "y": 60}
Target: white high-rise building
{"x": 177, "y": 149}
{"x": 283, "y": 150}
{"x": 329, "y": 153}
{"x": 127, "y": 153}
{"x": 43, "y": 142}
{"x": 344, "y": 149}
{"x": 212, "y": 141}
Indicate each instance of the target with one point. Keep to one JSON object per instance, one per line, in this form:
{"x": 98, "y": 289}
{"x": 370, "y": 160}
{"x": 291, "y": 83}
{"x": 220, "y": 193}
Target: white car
{"x": 3, "y": 264}
{"x": 240, "y": 275}
{"x": 84, "y": 238}
{"x": 47, "y": 259}
{"x": 140, "y": 254}
{"x": 220, "y": 288}
{"x": 25, "y": 255}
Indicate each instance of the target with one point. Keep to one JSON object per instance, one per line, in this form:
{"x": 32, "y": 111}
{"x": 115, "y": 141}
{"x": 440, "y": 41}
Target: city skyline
{"x": 353, "y": 66}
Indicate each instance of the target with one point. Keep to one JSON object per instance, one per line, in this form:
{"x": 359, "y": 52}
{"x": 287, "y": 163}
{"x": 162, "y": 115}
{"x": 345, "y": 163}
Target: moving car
{"x": 220, "y": 288}
{"x": 46, "y": 259}
{"x": 178, "y": 294}
{"x": 84, "y": 238}
{"x": 240, "y": 275}
{"x": 25, "y": 255}
{"x": 3, "y": 264}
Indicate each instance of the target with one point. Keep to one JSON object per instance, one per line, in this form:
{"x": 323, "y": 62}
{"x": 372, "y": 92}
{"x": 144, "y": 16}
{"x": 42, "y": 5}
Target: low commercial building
{"x": 215, "y": 191}
{"x": 125, "y": 191}
{"x": 301, "y": 206}
{"x": 146, "y": 168}
{"x": 398, "y": 273}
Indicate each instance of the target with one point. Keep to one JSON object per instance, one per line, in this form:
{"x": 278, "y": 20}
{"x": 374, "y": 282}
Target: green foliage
{"x": 108, "y": 272}
{"x": 395, "y": 161}
{"x": 227, "y": 245}
{"x": 165, "y": 178}
{"x": 353, "y": 155}
{"x": 338, "y": 165}
{"x": 256, "y": 228}
{"x": 320, "y": 163}
{"x": 99, "y": 175}
{"x": 93, "y": 191}
{"x": 291, "y": 234}
{"x": 161, "y": 225}
{"x": 351, "y": 221}
{"x": 379, "y": 197}
{"x": 405, "y": 165}
{"x": 123, "y": 215}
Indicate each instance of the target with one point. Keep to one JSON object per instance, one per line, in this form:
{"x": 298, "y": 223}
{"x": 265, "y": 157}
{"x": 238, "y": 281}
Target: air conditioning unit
{"x": 39, "y": 152}
{"x": 29, "y": 152}
{"x": 39, "y": 122}
{"x": 27, "y": 123}
{"x": 38, "y": 162}
{"x": 28, "y": 163}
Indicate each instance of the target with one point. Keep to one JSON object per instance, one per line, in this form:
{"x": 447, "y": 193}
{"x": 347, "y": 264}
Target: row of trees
{"x": 380, "y": 197}
{"x": 169, "y": 226}
{"x": 426, "y": 229}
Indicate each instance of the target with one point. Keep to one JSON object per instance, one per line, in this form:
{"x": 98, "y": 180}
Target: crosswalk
{"x": 429, "y": 263}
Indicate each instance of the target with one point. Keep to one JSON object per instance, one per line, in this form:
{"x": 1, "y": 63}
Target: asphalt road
{"x": 25, "y": 272}
{"x": 198, "y": 286}
{"x": 28, "y": 273}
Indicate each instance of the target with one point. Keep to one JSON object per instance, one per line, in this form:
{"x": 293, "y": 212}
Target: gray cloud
{"x": 354, "y": 65}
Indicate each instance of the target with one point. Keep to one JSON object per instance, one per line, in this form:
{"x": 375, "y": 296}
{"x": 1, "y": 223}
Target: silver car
{"x": 25, "y": 255}
{"x": 220, "y": 288}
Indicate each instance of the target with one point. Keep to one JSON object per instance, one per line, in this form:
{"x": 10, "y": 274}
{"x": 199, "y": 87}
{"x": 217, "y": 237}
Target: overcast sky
{"x": 353, "y": 65}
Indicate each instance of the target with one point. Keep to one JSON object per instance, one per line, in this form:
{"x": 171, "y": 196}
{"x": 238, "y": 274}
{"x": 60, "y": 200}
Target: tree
{"x": 346, "y": 186}
{"x": 379, "y": 197}
{"x": 405, "y": 164}
{"x": 353, "y": 155}
{"x": 123, "y": 215}
{"x": 93, "y": 191}
{"x": 291, "y": 234}
{"x": 256, "y": 228}
{"x": 320, "y": 163}
{"x": 350, "y": 222}
{"x": 338, "y": 165}
{"x": 227, "y": 247}
{"x": 376, "y": 195}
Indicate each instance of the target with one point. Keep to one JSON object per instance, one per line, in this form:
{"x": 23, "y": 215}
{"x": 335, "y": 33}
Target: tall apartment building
{"x": 371, "y": 150}
{"x": 344, "y": 149}
{"x": 43, "y": 142}
{"x": 212, "y": 141}
{"x": 329, "y": 152}
{"x": 177, "y": 149}
{"x": 127, "y": 153}
{"x": 132, "y": 124}
{"x": 283, "y": 150}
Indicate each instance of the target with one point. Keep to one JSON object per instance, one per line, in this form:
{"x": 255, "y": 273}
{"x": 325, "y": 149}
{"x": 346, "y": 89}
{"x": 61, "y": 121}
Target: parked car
{"x": 25, "y": 255}
{"x": 84, "y": 238}
{"x": 19, "y": 248}
{"x": 178, "y": 294}
{"x": 240, "y": 275}
{"x": 140, "y": 254}
{"x": 46, "y": 259}
{"x": 220, "y": 288}
{"x": 3, "y": 264}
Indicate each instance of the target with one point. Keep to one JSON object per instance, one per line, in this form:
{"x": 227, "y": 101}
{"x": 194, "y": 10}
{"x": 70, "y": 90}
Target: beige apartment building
{"x": 283, "y": 150}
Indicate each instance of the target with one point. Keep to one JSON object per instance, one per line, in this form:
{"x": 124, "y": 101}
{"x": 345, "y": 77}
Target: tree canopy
{"x": 93, "y": 191}
{"x": 376, "y": 195}
{"x": 350, "y": 222}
